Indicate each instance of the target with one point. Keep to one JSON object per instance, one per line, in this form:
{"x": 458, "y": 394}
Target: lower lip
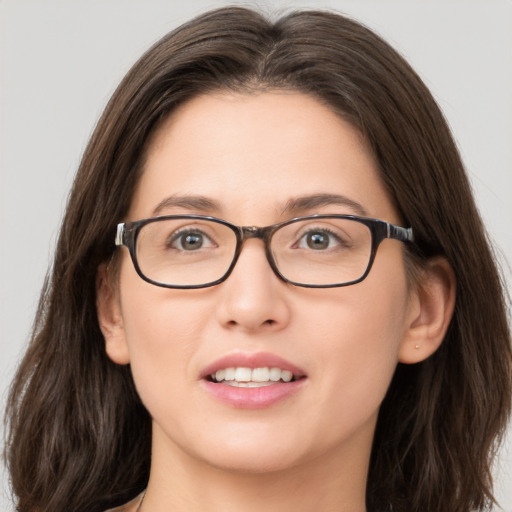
{"x": 253, "y": 398}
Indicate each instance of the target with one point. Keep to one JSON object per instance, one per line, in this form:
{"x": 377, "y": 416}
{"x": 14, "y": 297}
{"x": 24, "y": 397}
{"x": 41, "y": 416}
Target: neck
{"x": 334, "y": 481}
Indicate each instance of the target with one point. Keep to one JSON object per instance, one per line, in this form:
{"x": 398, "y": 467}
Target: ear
{"x": 431, "y": 308}
{"x": 110, "y": 318}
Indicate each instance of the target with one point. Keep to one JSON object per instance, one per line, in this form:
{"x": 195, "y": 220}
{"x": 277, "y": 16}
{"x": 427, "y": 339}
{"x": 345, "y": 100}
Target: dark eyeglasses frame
{"x": 128, "y": 233}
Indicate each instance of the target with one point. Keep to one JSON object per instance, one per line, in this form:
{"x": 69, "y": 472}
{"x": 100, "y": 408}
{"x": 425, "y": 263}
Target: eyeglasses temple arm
{"x": 120, "y": 234}
{"x": 400, "y": 233}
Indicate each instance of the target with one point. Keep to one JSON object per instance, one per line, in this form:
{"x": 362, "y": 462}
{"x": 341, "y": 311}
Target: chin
{"x": 253, "y": 462}
{"x": 249, "y": 451}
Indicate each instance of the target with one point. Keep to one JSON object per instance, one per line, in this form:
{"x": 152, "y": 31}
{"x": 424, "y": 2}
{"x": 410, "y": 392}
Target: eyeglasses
{"x": 317, "y": 251}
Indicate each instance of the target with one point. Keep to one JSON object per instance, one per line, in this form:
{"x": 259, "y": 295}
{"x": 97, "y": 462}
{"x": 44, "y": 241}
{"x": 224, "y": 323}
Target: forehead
{"x": 256, "y": 152}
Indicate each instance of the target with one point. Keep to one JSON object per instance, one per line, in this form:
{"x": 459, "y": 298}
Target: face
{"x": 252, "y": 156}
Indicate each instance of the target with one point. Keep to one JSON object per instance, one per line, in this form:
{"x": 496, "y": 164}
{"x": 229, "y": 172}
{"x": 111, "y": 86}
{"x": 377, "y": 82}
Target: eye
{"x": 189, "y": 240}
{"x": 319, "y": 240}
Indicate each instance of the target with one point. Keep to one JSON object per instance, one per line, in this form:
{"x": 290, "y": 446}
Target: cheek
{"x": 354, "y": 345}
{"x": 161, "y": 329}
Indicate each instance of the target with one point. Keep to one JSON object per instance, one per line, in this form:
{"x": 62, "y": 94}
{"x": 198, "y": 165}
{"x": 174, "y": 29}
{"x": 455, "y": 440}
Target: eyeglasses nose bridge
{"x": 252, "y": 232}
{"x": 264, "y": 234}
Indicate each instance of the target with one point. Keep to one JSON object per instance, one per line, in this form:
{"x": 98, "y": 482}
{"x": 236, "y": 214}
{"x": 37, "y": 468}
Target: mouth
{"x": 252, "y": 381}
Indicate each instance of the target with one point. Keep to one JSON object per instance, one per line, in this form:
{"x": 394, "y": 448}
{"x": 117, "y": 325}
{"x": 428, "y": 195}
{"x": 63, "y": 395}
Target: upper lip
{"x": 252, "y": 360}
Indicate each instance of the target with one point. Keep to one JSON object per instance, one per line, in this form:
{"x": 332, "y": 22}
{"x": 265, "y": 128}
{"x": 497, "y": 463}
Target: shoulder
{"x": 131, "y": 506}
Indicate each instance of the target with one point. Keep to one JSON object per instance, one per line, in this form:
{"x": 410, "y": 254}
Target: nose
{"x": 253, "y": 298}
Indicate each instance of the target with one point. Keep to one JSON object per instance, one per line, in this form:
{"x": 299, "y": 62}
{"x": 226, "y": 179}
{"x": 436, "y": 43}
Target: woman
{"x": 197, "y": 348}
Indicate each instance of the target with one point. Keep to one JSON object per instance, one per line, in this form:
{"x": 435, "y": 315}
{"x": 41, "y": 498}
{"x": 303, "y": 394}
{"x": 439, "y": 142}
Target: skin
{"x": 252, "y": 154}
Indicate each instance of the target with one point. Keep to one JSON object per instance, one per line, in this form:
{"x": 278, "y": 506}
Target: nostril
{"x": 270, "y": 322}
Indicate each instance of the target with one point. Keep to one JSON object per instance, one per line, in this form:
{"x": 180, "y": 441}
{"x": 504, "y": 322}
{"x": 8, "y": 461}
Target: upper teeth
{"x": 252, "y": 375}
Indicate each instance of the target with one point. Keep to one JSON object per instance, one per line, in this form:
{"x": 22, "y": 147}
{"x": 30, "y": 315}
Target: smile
{"x": 251, "y": 378}
{"x": 252, "y": 381}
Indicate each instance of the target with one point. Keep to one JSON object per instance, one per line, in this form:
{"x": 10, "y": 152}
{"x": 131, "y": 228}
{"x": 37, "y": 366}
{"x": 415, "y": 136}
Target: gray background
{"x": 60, "y": 61}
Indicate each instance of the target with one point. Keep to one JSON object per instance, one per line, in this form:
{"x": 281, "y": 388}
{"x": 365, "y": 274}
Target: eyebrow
{"x": 304, "y": 203}
{"x": 198, "y": 203}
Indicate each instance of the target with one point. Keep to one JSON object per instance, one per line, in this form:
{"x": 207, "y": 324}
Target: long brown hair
{"x": 79, "y": 437}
